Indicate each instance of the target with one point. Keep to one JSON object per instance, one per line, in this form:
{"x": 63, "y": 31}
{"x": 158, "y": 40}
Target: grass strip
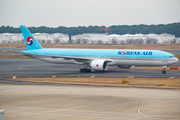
{"x": 177, "y": 55}
{"x": 169, "y": 83}
{"x": 155, "y": 68}
{"x": 15, "y": 56}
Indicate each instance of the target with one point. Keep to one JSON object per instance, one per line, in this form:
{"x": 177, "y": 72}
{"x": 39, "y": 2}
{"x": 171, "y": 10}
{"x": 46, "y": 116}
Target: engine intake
{"x": 99, "y": 65}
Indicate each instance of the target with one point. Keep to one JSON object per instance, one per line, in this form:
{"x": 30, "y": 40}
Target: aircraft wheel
{"x": 83, "y": 70}
{"x": 89, "y": 70}
{"x": 163, "y": 72}
{"x": 86, "y": 70}
{"x": 80, "y": 70}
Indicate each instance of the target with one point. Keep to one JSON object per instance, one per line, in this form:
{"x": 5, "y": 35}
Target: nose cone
{"x": 176, "y": 59}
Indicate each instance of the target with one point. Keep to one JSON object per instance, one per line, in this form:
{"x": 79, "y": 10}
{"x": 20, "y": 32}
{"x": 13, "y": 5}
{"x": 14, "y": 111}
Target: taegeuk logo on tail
{"x": 30, "y": 41}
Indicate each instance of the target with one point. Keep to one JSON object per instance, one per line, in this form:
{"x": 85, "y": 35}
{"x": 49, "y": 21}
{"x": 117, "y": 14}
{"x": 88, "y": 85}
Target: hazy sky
{"x": 69, "y": 13}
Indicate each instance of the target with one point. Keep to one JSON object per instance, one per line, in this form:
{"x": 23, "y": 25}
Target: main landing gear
{"x": 164, "y": 70}
{"x": 85, "y": 70}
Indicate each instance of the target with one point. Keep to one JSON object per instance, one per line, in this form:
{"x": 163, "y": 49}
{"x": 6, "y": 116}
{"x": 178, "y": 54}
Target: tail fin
{"x": 31, "y": 42}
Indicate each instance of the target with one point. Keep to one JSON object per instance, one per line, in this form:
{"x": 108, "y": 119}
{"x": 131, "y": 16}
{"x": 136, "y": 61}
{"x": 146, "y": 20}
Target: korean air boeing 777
{"x": 96, "y": 59}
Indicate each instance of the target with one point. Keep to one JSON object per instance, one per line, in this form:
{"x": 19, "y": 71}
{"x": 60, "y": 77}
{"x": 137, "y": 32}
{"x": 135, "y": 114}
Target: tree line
{"x": 173, "y": 28}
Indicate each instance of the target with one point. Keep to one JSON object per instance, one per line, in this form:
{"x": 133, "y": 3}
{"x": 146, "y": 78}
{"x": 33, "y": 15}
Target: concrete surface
{"x": 75, "y": 102}
{"x": 36, "y": 68}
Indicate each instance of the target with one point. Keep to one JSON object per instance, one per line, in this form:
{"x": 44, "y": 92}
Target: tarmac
{"x": 50, "y": 101}
{"x": 27, "y": 101}
{"x": 35, "y": 68}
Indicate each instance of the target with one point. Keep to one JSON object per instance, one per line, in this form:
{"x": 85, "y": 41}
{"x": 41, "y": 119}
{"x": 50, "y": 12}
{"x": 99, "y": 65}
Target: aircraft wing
{"x": 80, "y": 59}
{"x": 77, "y": 59}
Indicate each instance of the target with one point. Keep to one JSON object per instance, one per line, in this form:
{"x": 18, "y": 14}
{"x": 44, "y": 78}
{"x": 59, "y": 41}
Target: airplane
{"x": 96, "y": 59}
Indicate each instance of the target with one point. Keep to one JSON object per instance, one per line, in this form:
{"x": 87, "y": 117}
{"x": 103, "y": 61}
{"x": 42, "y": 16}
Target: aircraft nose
{"x": 176, "y": 59}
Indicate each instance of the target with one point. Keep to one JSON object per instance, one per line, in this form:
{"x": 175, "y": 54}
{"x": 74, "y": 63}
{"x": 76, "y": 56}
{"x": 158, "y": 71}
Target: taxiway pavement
{"x": 75, "y": 102}
{"x": 36, "y": 68}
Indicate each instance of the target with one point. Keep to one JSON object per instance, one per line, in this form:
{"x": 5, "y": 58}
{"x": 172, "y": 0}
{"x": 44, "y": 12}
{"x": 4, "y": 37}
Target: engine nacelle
{"x": 125, "y": 67}
{"x": 99, "y": 65}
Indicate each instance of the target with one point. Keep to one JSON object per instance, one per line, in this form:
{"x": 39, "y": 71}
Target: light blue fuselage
{"x": 120, "y": 57}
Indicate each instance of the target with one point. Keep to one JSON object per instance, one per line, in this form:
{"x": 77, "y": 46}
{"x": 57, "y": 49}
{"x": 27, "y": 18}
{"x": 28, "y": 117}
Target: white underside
{"x": 118, "y": 62}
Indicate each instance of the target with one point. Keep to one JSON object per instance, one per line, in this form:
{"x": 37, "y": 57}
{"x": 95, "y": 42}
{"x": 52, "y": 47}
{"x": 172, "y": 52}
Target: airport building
{"x": 92, "y": 38}
{"x": 127, "y": 38}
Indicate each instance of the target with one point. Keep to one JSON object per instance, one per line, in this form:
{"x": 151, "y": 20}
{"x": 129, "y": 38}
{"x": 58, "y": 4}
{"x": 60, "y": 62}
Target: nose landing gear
{"x": 164, "y": 70}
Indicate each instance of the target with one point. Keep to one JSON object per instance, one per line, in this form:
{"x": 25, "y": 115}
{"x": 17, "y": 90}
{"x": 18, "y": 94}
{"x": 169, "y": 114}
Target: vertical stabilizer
{"x": 31, "y": 42}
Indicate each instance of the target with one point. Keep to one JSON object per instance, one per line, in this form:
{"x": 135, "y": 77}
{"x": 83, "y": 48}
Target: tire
{"x": 86, "y": 70}
{"x": 83, "y": 70}
{"x": 89, "y": 70}
{"x": 163, "y": 72}
{"x": 80, "y": 70}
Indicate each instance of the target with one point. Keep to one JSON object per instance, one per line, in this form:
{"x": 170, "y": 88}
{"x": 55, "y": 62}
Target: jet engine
{"x": 99, "y": 65}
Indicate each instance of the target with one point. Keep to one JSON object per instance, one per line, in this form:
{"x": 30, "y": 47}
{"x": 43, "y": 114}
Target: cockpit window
{"x": 171, "y": 56}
